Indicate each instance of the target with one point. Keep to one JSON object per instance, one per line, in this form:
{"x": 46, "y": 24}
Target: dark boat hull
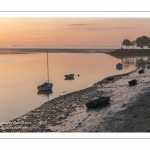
{"x": 98, "y": 102}
{"x": 69, "y": 76}
{"x": 141, "y": 71}
{"x": 110, "y": 78}
{"x": 132, "y": 82}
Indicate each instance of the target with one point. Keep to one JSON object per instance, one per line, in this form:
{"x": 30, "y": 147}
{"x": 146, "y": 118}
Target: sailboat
{"x": 47, "y": 86}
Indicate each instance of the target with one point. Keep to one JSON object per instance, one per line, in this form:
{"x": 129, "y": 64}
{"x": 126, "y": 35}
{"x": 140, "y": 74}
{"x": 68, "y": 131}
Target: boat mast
{"x": 47, "y": 68}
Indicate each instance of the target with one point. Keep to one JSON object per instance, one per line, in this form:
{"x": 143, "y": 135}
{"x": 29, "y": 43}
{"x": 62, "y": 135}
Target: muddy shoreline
{"x": 128, "y": 110}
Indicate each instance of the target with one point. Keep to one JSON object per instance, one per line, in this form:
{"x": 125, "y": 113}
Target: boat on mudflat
{"x": 141, "y": 71}
{"x": 110, "y": 78}
{"x": 132, "y": 82}
{"x": 98, "y": 102}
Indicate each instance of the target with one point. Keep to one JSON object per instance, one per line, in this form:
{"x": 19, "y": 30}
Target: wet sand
{"x": 128, "y": 111}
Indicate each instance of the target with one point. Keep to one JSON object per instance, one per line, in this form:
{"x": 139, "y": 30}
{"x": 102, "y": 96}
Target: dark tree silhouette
{"x": 142, "y": 41}
{"x": 148, "y": 45}
{"x": 126, "y": 42}
{"x": 133, "y": 43}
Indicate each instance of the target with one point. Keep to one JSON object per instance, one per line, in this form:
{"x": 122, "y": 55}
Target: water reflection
{"x": 119, "y": 68}
{"x": 90, "y": 67}
{"x": 136, "y": 61}
{"x": 69, "y": 78}
{"x": 45, "y": 93}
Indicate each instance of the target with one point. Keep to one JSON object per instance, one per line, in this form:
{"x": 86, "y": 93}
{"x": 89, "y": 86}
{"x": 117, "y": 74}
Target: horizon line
{"x": 51, "y": 48}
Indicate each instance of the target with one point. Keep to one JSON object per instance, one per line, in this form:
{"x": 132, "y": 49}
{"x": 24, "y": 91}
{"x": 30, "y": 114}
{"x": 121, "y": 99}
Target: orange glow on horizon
{"x": 70, "y": 32}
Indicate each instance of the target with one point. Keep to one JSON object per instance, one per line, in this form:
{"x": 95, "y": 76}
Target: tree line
{"x": 139, "y": 42}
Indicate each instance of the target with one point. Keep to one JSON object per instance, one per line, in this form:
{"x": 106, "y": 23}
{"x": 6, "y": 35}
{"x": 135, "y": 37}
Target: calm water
{"x": 20, "y": 75}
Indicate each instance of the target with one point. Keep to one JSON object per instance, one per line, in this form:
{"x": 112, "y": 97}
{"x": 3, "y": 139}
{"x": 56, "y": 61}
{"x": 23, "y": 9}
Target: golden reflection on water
{"x": 20, "y": 75}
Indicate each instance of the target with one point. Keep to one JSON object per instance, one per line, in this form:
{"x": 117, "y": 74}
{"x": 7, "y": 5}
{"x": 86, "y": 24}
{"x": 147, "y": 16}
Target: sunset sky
{"x": 70, "y": 32}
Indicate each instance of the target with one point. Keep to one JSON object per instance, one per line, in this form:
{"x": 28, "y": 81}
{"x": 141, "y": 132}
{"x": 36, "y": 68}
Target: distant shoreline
{"x": 113, "y": 52}
{"x": 43, "y": 50}
{"x": 130, "y": 52}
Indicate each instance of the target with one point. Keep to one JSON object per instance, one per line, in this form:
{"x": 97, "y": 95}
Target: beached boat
{"x": 141, "y": 71}
{"x": 69, "y": 76}
{"x": 47, "y": 85}
{"x": 110, "y": 78}
{"x": 133, "y": 82}
{"x": 98, "y": 102}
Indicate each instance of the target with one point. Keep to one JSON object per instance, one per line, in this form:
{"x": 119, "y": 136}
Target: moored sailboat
{"x": 47, "y": 85}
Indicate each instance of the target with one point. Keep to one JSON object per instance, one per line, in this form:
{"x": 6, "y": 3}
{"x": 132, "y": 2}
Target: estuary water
{"x": 20, "y": 75}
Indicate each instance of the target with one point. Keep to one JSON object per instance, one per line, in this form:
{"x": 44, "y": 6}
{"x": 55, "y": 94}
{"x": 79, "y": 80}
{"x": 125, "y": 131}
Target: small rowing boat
{"x": 98, "y": 102}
